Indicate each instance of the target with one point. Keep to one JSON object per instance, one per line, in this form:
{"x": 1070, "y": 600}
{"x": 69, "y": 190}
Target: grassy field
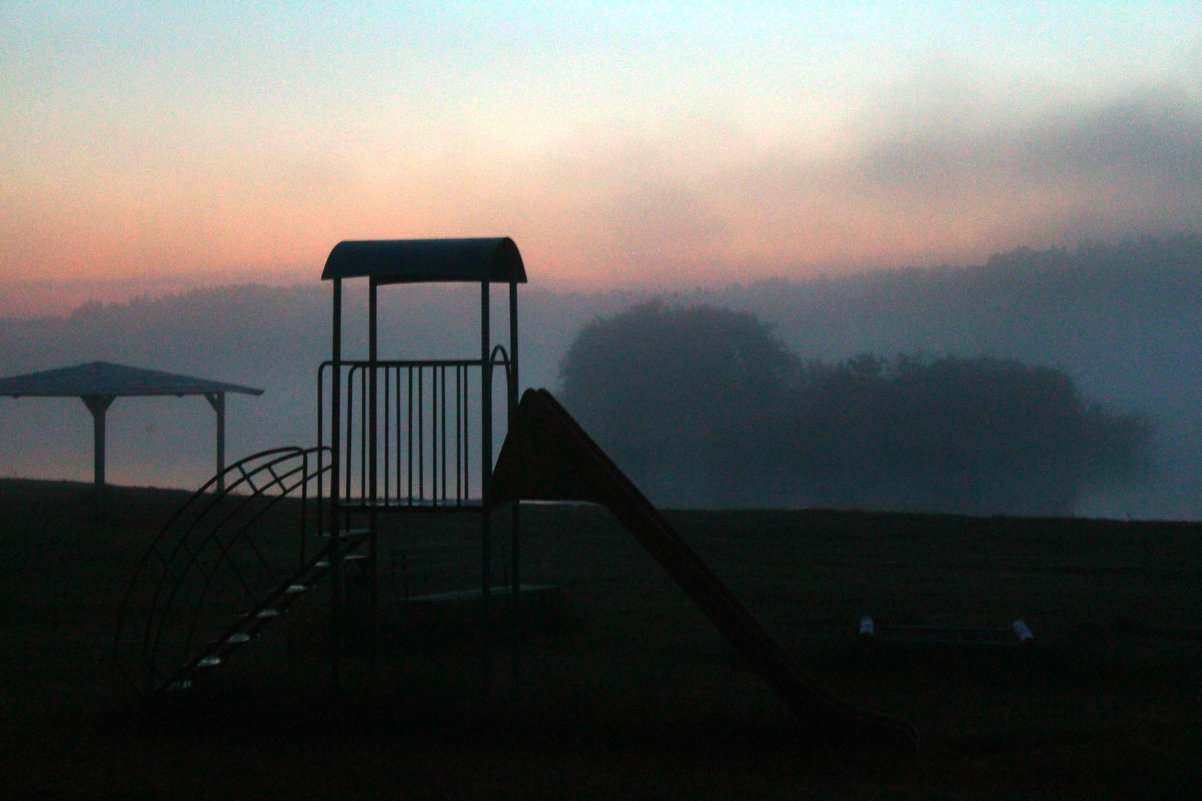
{"x": 620, "y": 688}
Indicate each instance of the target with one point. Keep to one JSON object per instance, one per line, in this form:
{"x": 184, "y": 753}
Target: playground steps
{"x": 247, "y": 626}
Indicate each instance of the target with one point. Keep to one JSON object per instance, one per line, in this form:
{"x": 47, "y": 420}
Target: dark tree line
{"x": 705, "y": 407}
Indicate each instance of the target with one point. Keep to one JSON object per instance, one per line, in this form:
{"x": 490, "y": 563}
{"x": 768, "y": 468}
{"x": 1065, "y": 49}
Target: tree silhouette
{"x": 705, "y": 407}
{"x": 683, "y": 398}
{"x": 976, "y": 435}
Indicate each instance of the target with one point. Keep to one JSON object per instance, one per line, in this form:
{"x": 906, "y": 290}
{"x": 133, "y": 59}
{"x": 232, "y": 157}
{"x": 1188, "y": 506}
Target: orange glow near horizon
{"x": 664, "y": 148}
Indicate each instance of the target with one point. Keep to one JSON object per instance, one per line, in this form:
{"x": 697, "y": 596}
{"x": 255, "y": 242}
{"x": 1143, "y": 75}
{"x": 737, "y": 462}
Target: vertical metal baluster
{"x": 421, "y": 434}
{"x": 442, "y": 430}
{"x": 387, "y": 430}
{"x": 363, "y": 432}
{"x": 409, "y": 448}
{"x": 399, "y": 456}
{"x": 458, "y": 443}
{"x": 350, "y": 432}
{"x": 467, "y": 470}
{"x": 434, "y": 434}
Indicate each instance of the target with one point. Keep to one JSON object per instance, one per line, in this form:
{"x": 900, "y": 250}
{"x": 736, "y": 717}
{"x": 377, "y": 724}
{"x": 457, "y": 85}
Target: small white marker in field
{"x": 1022, "y": 632}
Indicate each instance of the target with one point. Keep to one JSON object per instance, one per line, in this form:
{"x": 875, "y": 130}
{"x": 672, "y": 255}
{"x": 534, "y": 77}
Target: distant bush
{"x": 975, "y": 435}
{"x": 705, "y": 407}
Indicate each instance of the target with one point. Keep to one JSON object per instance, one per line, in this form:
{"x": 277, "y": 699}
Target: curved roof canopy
{"x": 404, "y": 261}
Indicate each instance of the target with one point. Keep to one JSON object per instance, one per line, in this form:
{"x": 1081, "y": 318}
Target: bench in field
{"x": 1017, "y": 633}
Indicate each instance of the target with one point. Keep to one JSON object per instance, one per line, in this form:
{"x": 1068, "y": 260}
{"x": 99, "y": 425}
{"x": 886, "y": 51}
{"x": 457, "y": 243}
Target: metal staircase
{"x": 229, "y": 563}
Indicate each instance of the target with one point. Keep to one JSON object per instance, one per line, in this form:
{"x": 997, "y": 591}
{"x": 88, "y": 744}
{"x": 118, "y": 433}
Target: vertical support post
{"x": 513, "y": 348}
{"x": 335, "y": 557}
{"x": 485, "y": 472}
{"x": 98, "y": 405}
{"x": 486, "y": 396}
{"x": 515, "y": 528}
{"x": 373, "y": 355}
{"x": 217, "y": 401}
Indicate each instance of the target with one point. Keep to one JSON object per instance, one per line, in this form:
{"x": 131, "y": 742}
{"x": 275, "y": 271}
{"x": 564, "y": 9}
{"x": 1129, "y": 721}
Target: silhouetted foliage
{"x": 705, "y": 407}
{"x": 686, "y": 397}
{"x": 1120, "y": 318}
{"x": 976, "y": 435}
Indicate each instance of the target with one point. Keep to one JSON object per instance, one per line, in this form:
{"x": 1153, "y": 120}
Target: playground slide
{"x": 548, "y": 456}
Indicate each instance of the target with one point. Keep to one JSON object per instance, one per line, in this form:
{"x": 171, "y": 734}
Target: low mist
{"x": 1118, "y": 319}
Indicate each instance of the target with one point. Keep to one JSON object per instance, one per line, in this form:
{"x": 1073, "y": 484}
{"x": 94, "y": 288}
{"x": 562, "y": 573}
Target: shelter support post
{"x": 98, "y": 405}
{"x": 217, "y": 401}
{"x": 98, "y": 384}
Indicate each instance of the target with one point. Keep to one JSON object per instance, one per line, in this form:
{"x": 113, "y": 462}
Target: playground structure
{"x": 395, "y": 437}
{"x": 404, "y": 436}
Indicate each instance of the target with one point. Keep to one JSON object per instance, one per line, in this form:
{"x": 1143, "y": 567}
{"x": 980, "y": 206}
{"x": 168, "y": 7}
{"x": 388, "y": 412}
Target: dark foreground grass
{"x": 620, "y": 688}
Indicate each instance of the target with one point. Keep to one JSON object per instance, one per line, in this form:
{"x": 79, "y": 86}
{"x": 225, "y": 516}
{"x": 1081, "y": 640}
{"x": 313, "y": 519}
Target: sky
{"x": 148, "y": 147}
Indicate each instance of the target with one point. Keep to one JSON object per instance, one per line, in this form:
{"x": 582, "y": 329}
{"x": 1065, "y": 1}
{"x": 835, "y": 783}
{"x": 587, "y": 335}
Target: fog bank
{"x": 1120, "y": 318}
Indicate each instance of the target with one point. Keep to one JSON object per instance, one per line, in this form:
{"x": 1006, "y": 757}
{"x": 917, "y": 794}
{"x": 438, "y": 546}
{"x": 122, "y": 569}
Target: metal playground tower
{"x": 416, "y": 435}
{"x": 396, "y": 436}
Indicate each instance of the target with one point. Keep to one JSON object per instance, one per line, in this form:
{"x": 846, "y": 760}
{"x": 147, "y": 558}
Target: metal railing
{"x": 411, "y": 432}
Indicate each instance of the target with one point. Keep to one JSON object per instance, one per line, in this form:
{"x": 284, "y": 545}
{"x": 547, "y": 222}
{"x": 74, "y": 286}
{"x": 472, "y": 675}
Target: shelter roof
{"x": 403, "y": 261}
{"x": 105, "y": 378}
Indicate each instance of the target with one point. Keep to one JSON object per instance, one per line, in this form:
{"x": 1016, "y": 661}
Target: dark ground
{"x": 623, "y": 689}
